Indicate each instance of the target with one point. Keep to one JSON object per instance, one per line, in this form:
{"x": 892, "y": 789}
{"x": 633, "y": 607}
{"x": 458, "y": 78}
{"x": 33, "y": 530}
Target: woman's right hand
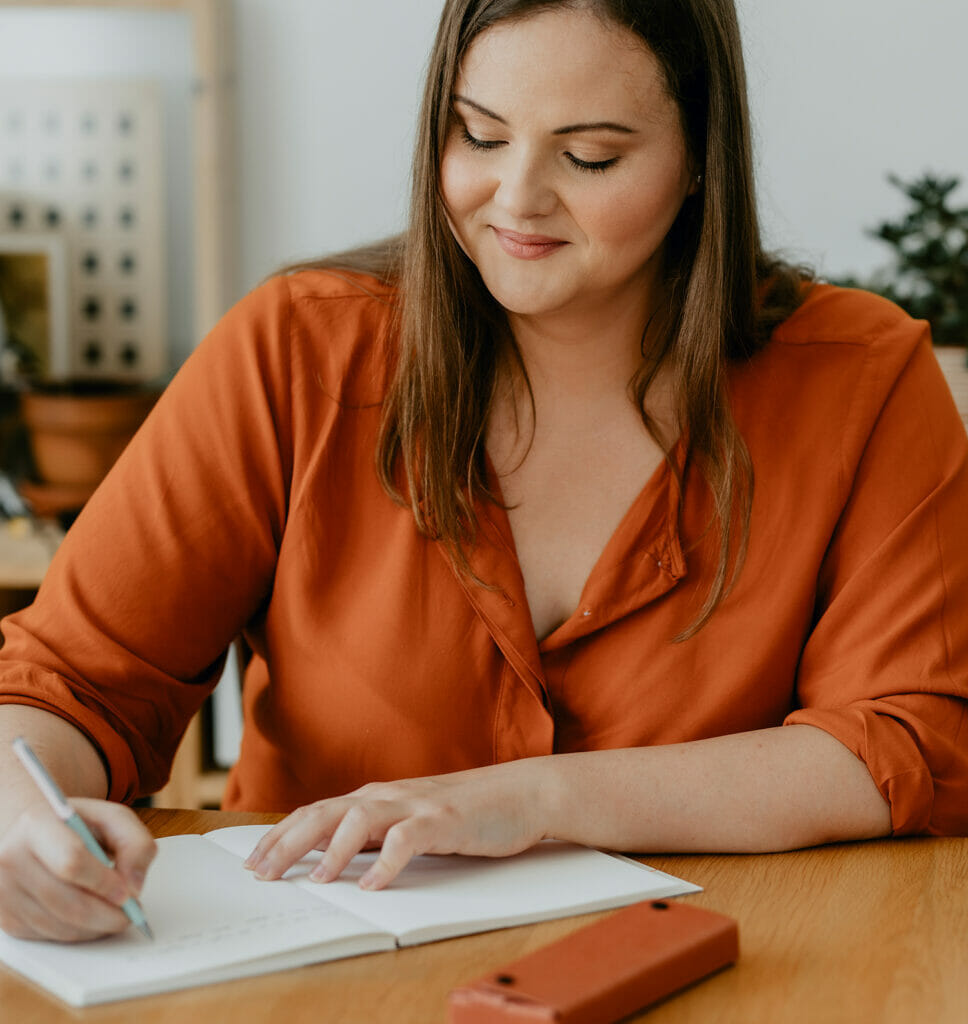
{"x": 52, "y": 887}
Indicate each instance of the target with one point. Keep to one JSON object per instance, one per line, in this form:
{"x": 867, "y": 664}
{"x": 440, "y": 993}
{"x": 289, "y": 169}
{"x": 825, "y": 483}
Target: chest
{"x": 565, "y": 500}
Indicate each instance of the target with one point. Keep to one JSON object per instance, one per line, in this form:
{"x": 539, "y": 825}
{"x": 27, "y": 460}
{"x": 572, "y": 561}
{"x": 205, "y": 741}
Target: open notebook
{"x": 214, "y": 921}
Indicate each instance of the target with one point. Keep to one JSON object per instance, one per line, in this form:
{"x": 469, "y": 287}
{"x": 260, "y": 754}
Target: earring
{"x": 698, "y": 179}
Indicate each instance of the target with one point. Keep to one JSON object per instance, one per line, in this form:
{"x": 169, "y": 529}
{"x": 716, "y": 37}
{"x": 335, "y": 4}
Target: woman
{"x": 558, "y": 606}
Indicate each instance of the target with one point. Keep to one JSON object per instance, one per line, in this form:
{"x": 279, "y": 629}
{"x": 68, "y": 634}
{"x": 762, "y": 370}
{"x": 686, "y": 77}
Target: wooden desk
{"x": 26, "y": 548}
{"x": 859, "y": 933}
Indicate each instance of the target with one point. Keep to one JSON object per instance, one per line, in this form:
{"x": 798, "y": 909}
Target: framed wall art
{"x": 83, "y": 159}
{"x": 34, "y": 307}
{"x": 93, "y": 163}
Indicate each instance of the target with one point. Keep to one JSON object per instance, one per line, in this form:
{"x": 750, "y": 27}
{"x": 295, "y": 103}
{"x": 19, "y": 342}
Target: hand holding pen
{"x": 55, "y": 887}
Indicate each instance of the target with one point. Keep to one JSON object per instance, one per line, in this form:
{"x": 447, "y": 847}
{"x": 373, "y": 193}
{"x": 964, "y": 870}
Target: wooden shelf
{"x": 954, "y": 365}
{"x": 192, "y": 785}
{"x": 214, "y": 257}
{"x": 26, "y": 548}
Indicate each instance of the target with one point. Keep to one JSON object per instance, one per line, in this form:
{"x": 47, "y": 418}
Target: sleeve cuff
{"x": 115, "y": 754}
{"x": 892, "y": 757}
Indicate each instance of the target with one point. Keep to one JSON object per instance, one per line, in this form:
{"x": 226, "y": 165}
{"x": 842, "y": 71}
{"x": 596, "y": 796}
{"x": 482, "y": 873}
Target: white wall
{"x": 842, "y": 92}
{"x": 328, "y": 91}
{"x": 103, "y": 44}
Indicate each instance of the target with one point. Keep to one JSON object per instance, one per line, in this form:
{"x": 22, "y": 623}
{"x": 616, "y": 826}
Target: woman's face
{"x": 565, "y": 165}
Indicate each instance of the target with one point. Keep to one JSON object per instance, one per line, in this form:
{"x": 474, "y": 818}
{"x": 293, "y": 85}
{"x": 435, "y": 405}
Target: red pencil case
{"x": 605, "y": 971}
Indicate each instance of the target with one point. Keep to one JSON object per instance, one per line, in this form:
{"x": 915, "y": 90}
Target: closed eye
{"x": 485, "y": 145}
{"x": 591, "y": 165}
{"x": 479, "y": 144}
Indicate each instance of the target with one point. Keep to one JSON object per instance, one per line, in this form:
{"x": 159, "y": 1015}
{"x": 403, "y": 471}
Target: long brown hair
{"x": 724, "y": 295}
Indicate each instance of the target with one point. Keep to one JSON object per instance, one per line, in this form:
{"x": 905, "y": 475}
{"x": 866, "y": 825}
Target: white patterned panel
{"x": 84, "y": 158}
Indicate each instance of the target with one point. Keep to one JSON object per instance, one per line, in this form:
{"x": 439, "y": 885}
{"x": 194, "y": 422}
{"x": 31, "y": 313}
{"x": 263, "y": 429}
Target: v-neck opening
{"x": 646, "y": 534}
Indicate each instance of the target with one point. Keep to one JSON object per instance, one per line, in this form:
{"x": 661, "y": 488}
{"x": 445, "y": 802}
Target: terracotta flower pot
{"x": 78, "y": 430}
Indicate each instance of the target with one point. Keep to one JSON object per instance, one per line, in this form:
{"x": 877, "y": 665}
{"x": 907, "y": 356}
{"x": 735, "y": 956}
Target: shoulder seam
{"x": 880, "y": 314}
{"x": 354, "y": 289}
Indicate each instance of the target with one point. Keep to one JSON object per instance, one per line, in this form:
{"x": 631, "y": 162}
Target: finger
{"x": 39, "y": 905}
{"x": 123, "y": 836}
{"x": 77, "y": 913}
{"x": 52, "y": 886}
{"x": 288, "y": 842}
{"x": 23, "y": 917}
{"x": 335, "y": 808}
{"x": 403, "y": 842}
{"x": 359, "y": 825}
{"x": 62, "y": 854}
{"x": 264, "y": 846}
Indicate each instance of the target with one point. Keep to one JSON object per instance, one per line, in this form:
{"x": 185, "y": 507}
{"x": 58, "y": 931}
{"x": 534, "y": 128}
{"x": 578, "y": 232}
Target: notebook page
{"x": 437, "y": 897}
{"x": 207, "y": 914}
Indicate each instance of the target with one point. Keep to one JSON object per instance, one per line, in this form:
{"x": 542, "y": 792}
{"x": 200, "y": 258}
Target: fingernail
{"x": 137, "y": 881}
{"x": 262, "y": 869}
{"x": 369, "y": 880}
{"x": 321, "y": 873}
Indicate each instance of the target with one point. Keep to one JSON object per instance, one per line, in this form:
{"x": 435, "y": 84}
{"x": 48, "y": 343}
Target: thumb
{"x": 123, "y": 836}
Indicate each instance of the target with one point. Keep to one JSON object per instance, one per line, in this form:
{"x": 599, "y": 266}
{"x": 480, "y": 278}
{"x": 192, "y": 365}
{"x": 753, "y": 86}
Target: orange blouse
{"x": 249, "y": 502}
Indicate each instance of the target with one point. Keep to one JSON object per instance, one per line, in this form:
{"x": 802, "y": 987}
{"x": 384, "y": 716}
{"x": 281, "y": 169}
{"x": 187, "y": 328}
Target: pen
{"x": 70, "y": 817}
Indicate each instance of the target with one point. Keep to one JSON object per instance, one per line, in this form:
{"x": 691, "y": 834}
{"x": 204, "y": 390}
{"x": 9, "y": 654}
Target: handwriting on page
{"x": 239, "y": 930}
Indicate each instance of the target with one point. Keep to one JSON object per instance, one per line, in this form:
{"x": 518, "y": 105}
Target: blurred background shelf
{"x": 187, "y": 49}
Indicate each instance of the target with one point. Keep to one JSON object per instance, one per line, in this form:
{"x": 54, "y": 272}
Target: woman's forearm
{"x": 774, "y": 789}
{"x": 66, "y": 752}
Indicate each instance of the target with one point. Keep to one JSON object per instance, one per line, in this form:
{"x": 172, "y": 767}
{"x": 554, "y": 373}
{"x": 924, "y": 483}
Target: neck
{"x": 582, "y": 356}
{"x": 579, "y": 374}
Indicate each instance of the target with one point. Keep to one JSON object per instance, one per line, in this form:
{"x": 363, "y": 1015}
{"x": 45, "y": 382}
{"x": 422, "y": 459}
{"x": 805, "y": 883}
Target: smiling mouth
{"x": 527, "y": 247}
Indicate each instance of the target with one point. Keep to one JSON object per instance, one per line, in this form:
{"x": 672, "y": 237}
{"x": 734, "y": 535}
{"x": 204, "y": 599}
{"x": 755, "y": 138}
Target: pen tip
{"x": 146, "y": 930}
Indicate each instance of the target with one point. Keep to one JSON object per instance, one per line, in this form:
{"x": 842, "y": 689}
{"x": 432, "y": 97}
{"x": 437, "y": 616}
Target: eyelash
{"x": 592, "y": 167}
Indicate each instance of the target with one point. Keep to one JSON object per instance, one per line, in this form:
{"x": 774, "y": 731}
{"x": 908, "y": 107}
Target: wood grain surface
{"x": 867, "y": 932}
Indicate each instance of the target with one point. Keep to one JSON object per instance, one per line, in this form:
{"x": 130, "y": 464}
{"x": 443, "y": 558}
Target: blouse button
{"x": 586, "y": 612}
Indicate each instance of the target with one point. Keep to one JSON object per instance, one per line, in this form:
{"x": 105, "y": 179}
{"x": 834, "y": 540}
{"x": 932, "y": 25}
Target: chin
{"x": 525, "y": 300}
{"x": 528, "y": 306}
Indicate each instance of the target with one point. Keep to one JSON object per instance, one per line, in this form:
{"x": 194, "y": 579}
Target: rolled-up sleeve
{"x": 171, "y": 557}
{"x": 885, "y": 669}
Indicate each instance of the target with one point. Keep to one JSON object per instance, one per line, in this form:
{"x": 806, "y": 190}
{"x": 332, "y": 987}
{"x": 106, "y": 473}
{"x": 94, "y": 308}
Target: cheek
{"x": 637, "y": 217}
{"x": 462, "y": 186}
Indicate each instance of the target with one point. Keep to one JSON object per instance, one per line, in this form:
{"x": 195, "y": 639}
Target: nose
{"x": 525, "y": 187}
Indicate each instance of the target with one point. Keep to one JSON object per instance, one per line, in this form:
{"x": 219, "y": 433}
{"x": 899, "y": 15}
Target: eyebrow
{"x": 568, "y": 129}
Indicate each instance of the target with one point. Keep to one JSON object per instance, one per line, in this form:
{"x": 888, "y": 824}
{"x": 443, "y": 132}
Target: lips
{"x": 527, "y": 247}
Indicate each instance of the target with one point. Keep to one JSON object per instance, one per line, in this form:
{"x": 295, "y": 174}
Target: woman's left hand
{"x": 490, "y": 812}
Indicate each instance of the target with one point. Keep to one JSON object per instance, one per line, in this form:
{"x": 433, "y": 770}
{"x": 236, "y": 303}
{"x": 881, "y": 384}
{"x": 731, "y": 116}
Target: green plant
{"x": 929, "y": 275}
